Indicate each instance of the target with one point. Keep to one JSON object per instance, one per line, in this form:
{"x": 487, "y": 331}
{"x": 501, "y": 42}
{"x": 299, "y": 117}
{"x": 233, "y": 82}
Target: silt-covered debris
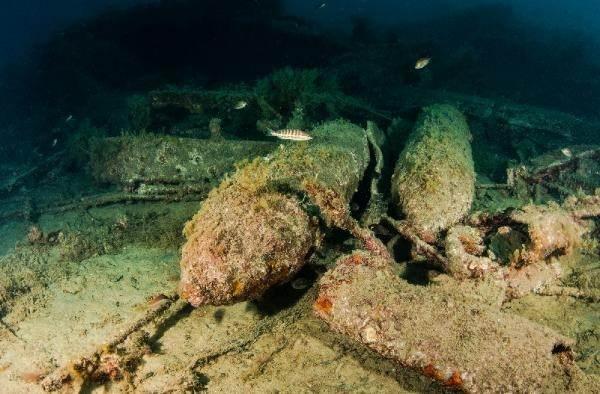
{"x": 254, "y": 230}
{"x": 434, "y": 180}
{"x": 151, "y": 161}
{"x": 448, "y": 336}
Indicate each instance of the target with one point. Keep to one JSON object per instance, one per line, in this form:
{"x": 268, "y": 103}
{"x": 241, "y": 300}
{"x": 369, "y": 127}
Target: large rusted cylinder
{"x": 150, "y": 159}
{"x": 458, "y": 338}
{"x": 254, "y": 231}
{"x": 434, "y": 181}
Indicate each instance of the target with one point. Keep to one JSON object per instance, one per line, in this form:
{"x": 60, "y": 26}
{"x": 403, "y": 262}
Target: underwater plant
{"x": 300, "y": 96}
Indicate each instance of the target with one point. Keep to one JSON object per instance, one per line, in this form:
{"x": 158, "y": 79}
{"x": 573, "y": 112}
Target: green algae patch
{"x": 434, "y": 181}
{"x": 254, "y": 231}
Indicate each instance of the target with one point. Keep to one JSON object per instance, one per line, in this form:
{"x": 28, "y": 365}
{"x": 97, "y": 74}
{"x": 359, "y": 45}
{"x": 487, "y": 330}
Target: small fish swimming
{"x": 157, "y": 299}
{"x": 54, "y": 142}
{"x": 422, "y": 63}
{"x": 291, "y": 134}
{"x": 301, "y": 283}
{"x": 567, "y": 152}
{"x": 69, "y": 118}
{"x": 240, "y": 105}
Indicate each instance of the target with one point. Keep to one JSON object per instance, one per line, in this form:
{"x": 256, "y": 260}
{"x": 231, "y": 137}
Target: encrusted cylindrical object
{"x": 434, "y": 181}
{"x": 253, "y": 231}
{"x": 157, "y": 159}
{"x": 454, "y": 338}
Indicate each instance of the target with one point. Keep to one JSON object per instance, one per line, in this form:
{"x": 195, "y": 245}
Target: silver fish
{"x": 291, "y": 134}
{"x": 240, "y": 105}
{"x": 301, "y": 283}
{"x": 567, "y": 152}
{"x": 422, "y": 63}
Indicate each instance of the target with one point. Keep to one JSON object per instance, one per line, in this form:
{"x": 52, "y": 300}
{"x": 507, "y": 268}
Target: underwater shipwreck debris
{"x": 434, "y": 181}
{"x": 551, "y": 164}
{"x": 464, "y": 248}
{"x": 377, "y": 205}
{"x": 257, "y": 228}
{"x": 253, "y": 231}
{"x": 433, "y": 186}
{"x": 551, "y": 230}
{"x": 240, "y": 244}
{"x": 530, "y": 120}
{"x": 420, "y": 247}
{"x": 104, "y": 363}
{"x": 525, "y": 242}
{"x": 11, "y": 183}
{"x": 462, "y": 343}
{"x": 555, "y": 171}
{"x": 155, "y": 160}
{"x": 336, "y": 213}
{"x": 143, "y": 194}
{"x": 538, "y": 232}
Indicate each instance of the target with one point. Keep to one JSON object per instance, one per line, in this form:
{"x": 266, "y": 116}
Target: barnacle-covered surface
{"x": 150, "y": 159}
{"x": 434, "y": 180}
{"x": 551, "y": 230}
{"x": 460, "y": 343}
{"x": 253, "y": 232}
{"x": 464, "y": 247}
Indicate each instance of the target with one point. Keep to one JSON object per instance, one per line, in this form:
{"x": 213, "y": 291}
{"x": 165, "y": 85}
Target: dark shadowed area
{"x": 68, "y": 57}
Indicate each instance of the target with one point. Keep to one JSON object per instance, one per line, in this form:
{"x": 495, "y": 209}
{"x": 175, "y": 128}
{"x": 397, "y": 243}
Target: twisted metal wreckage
{"x": 259, "y": 226}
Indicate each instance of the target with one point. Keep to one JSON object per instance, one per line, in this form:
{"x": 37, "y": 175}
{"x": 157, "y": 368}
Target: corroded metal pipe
{"x": 254, "y": 231}
{"x": 452, "y": 334}
{"x": 434, "y": 181}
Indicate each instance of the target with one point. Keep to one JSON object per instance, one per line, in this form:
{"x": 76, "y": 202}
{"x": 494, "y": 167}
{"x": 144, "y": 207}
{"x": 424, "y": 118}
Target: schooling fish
{"x": 422, "y": 63}
{"x": 291, "y": 134}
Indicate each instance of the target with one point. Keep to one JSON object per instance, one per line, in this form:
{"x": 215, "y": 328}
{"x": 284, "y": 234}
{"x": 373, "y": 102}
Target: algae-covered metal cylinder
{"x": 434, "y": 180}
{"x": 464, "y": 342}
{"x": 254, "y": 231}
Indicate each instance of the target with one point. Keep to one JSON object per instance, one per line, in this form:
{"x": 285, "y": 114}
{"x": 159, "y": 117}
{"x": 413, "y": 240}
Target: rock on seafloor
{"x": 434, "y": 181}
{"x": 255, "y": 231}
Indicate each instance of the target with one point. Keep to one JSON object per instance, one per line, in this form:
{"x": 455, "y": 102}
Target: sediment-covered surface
{"x": 154, "y": 159}
{"x": 77, "y": 293}
{"x": 248, "y": 346}
{"x": 447, "y": 336}
{"x": 253, "y": 231}
{"x": 434, "y": 179}
{"x": 475, "y": 268}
